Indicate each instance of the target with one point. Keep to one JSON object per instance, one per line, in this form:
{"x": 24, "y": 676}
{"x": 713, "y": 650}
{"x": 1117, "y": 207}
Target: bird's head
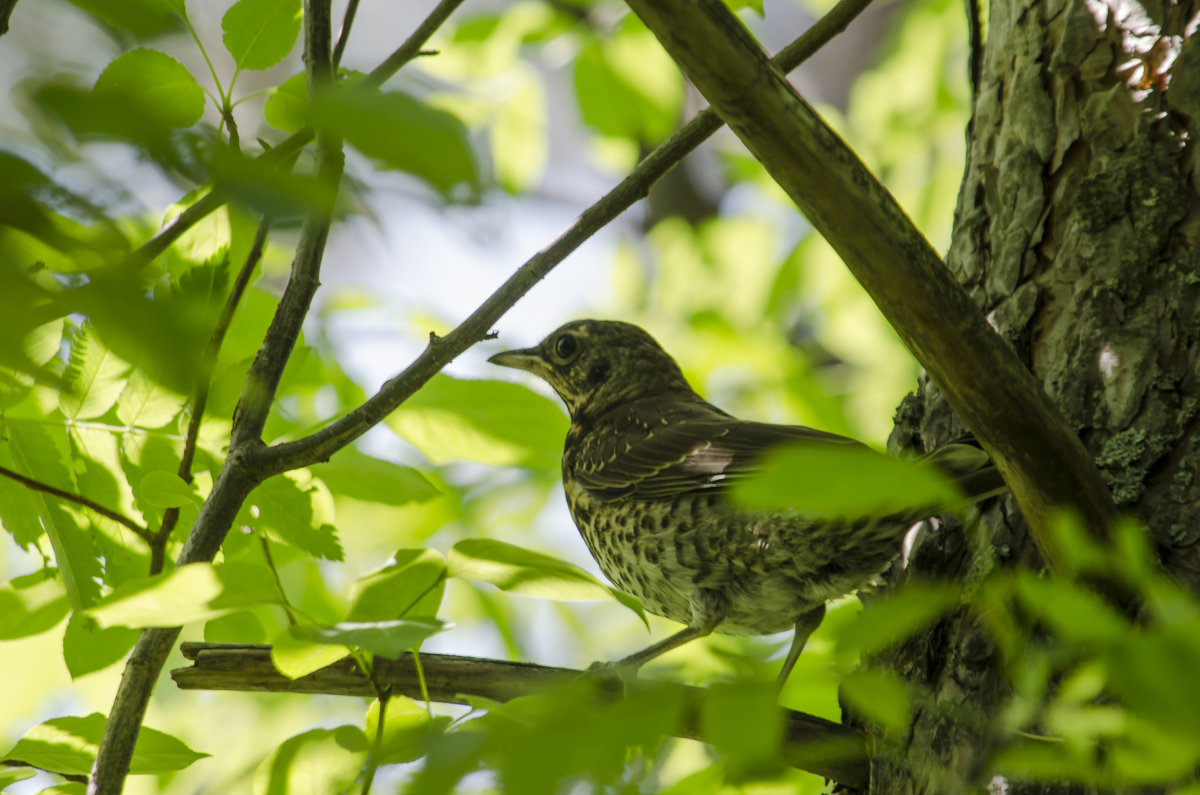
{"x": 596, "y": 365}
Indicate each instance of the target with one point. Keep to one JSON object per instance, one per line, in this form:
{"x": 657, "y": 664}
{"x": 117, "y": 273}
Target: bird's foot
{"x": 612, "y": 676}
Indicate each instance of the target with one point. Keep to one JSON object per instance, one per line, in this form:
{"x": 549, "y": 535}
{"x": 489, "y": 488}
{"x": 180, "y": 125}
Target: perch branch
{"x": 810, "y": 743}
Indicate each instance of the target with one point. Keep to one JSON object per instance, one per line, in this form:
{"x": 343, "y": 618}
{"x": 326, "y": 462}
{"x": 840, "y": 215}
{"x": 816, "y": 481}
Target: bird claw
{"x": 612, "y": 676}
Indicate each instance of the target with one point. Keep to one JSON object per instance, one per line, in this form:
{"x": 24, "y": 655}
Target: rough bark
{"x": 1076, "y": 233}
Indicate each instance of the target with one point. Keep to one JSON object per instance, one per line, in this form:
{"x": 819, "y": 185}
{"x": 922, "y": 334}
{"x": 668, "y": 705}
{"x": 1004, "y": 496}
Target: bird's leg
{"x": 708, "y": 611}
{"x": 806, "y": 624}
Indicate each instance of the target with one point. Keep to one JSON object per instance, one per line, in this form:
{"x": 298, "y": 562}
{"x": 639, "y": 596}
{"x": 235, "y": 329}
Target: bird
{"x": 647, "y": 467}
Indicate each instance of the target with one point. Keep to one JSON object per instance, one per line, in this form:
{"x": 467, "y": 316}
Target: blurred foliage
{"x": 427, "y": 532}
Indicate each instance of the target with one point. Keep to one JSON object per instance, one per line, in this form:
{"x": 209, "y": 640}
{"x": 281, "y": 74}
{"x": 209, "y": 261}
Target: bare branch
{"x": 6, "y": 9}
{"x": 810, "y": 743}
{"x": 322, "y": 444}
{"x": 1043, "y": 462}
{"x": 108, "y": 513}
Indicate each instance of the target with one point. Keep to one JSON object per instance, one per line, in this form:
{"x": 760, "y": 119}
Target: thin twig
{"x": 344, "y": 34}
{"x": 208, "y": 364}
{"x": 320, "y": 445}
{"x": 6, "y": 9}
{"x": 36, "y": 485}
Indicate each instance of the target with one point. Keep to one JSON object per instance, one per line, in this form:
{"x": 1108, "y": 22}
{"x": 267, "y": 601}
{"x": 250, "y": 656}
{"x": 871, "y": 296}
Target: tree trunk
{"x": 1076, "y": 234}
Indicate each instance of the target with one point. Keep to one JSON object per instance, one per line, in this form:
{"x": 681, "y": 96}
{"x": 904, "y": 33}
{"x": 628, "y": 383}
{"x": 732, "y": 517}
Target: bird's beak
{"x": 527, "y": 359}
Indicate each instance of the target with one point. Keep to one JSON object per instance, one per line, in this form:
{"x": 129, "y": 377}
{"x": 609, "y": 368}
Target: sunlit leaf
{"x": 524, "y": 571}
{"x": 363, "y": 477}
{"x": 298, "y": 509}
{"x": 68, "y": 745}
{"x": 194, "y": 592}
{"x": 410, "y": 588}
{"x": 844, "y": 481}
{"x": 286, "y": 107}
{"x": 145, "y": 404}
{"x": 386, "y": 638}
{"x": 164, "y": 489}
{"x": 493, "y": 422}
{"x": 315, "y": 761}
{"x": 403, "y": 133}
{"x": 260, "y": 33}
{"x": 31, "y": 604}
{"x": 94, "y": 377}
{"x": 142, "y": 18}
{"x": 294, "y": 656}
{"x": 87, "y": 647}
{"x": 155, "y": 86}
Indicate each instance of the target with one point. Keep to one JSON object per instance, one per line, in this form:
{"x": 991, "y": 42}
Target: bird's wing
{"x": 659, "y": 455}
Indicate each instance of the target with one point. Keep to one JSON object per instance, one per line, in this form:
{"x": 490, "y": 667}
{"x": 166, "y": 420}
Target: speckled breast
{"x": 665, "y": 552}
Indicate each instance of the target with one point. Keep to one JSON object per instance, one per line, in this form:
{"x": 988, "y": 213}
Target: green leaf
{"x": 68, "y": 745}
{"x": 94, "y": 377}
{"x": 409, "y": 588}
{"x": 742, "y": 721}
{"x": 889, "y": 621}
{"x": 295, "y": 657}
{"x": 881, "y": 696}
{"x": 286, "y": 107}
{"x": 403, "y": 133}
{"x": 88, "y": 648}
{"x": 406, "y": 723}
{"x": 145, "y": 404}
{"x": 195, "y": 592}
{"x": 163, "y": 489}
{"x": 520, "y": 570}
{"x": 627, "y": 86}
{"x": 520, "y": 145}
{"x": 261, "y": 33}
{"x": 1076, "y": 614}
{"x": 267, "y": 189}
{"x": 142, "y": 18}
{"x": 492, "y": 422}
{"x": 845, "y": 482}
{"x": 364, "y": 477}
{"x": 33, "y": 450}
{"x": 298, "y": 509}
{"x": 386, "y": 638}
{"x": 315, "y": 761}
{"x": 154, "y": 86}
{"x": 31, "y": 604}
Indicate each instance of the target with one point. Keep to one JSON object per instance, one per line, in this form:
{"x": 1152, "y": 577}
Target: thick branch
{"x": 810, "y": 743}
{"x": 440, "y": 352}
{"x": 1041, "y": 459}
{"x": 236, "y": 480}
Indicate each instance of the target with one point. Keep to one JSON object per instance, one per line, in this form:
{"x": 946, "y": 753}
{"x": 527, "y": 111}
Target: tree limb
{"x": 236, "y": 479}
{"x": 810, "y": 743}
{"x": 1041, "y": 459}
{"x": 322, "y": 444}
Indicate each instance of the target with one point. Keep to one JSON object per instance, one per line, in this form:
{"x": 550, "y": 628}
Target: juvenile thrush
{"x": 647, "y": 467}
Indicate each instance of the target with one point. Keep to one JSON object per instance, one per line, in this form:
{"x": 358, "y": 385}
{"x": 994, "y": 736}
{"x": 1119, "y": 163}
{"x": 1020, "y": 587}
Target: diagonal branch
{"x": 1041, "y": 459}
{"x": 320, "y": 445}
{"x": 809, "y": 743}
{"x": 108, "y": 513}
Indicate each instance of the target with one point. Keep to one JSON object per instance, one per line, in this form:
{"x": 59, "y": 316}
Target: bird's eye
{"x": 566, "y": 346}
